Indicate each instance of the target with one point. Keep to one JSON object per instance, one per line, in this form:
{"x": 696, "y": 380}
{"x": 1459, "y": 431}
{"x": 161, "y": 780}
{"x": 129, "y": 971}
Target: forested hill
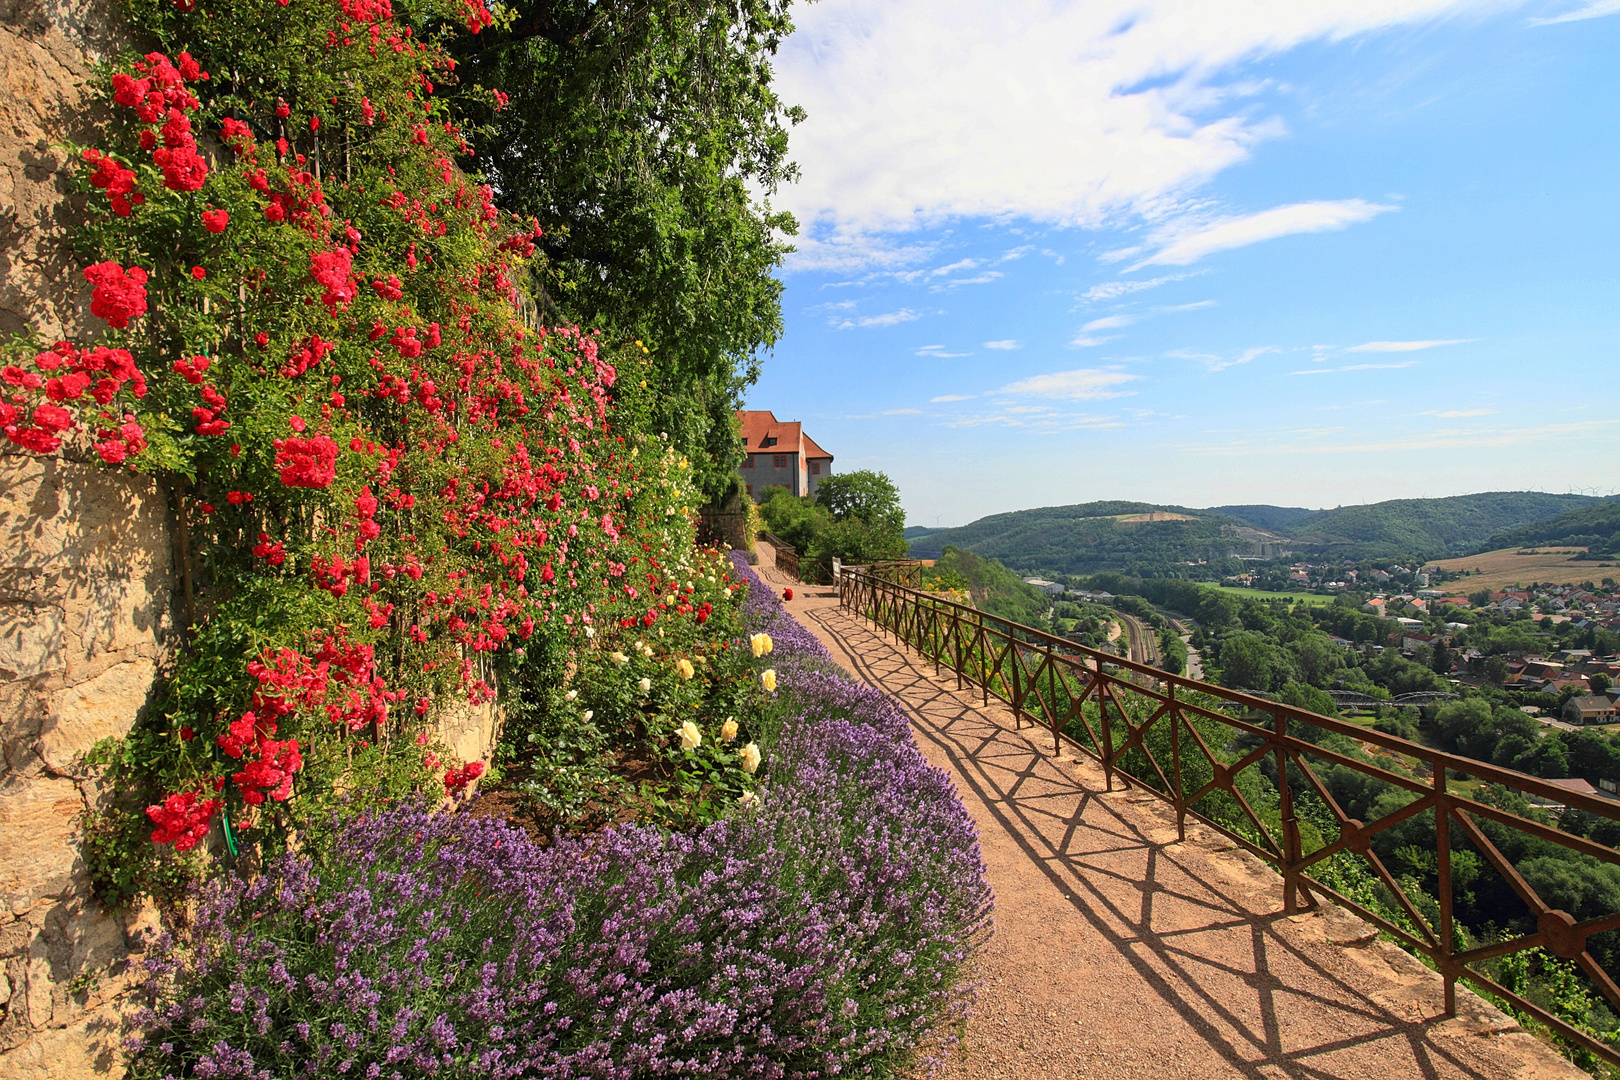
{"x": 1153, "y": 541}
{"x": 1428, "y": 527}
{"x": 1596, "y": 527}
{"x": 1275, "y": 519}
{"x": 1141, "y": 537}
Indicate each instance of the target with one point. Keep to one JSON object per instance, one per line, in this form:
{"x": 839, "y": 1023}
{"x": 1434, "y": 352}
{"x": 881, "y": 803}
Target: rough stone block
{"x": 82, "y": 715}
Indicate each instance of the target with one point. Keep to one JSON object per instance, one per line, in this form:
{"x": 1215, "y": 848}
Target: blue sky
{"x": 1204, "y": 252}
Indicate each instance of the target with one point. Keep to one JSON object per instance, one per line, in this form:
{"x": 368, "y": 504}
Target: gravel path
{"x": 1120, "y": 952}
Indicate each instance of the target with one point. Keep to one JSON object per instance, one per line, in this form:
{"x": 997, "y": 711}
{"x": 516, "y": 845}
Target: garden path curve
{"x": 1120, "y": 952}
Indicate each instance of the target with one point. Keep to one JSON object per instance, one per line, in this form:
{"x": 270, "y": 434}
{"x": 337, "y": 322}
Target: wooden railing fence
{"x": 1265, "y": 775}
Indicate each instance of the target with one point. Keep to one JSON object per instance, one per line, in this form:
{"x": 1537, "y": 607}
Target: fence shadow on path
{"x": 1120, "y": 950}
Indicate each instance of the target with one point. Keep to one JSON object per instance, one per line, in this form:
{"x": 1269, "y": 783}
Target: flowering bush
{"x": 391, "y": 485}
{"x": 820, "y": 930}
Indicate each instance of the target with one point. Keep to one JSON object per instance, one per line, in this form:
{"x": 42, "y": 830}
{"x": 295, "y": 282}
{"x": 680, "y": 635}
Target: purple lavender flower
{"x": 820, "y": 933}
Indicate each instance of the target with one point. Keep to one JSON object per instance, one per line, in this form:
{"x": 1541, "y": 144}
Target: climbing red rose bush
{"x": 388, "y": 482}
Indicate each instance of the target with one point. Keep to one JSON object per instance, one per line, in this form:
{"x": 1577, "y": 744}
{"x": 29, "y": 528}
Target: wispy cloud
{"x": 938, "y": 351}
{"x": 1404, "y": 346}
{"x": 902, "y": 412}
{"x": 1458, "y": 414}
{"x": 951, "y": 397}
{"x": 1089, "y": 341}
{"x": 1036, "y": 421}
{"x": 1181, "y": 246}
{"x": 1332, "y": 440}
{"x": 1113, "y": 290}
{"x": 1108, "y": 322}
{"x": 984, "y": 278}
{"x": 1196, "y": 305}
{"x": 1015, "y": 253}
{"x": 1214, "y": 362}
{"x": 1593, "y": 9}
{"x": 892, "y": 318}
{"x": 1082, "y": 384}
{"x": 1355, "y": 367}
{"x": 951, "y": 268}
{"x": 1006, "y": 344}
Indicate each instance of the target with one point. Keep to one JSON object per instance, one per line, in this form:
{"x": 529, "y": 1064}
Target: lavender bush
{"x": 820, "y": 931}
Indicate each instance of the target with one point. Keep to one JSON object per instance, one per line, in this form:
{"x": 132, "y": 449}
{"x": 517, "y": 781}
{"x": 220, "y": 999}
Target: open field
{"x": 1156, "y": 515}
{"x": 1261, "y": 594}
{"x": 1521, "y": 566}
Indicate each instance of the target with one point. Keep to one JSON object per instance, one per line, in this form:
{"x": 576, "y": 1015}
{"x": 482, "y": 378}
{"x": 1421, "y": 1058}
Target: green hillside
{"x": 1425, "y": 527}
{"x": 1596, "y": 527}
{"x": 1275, "y": 519}
{"x": 1087, "y": 538}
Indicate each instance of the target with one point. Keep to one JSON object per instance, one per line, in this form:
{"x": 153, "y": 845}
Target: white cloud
{"x": 1008, "y": 344}
{"x": 1016, "y": 253}
{"x": 978, "y": 279}
{"x": 1355, "y": 367}
{"x": 1113, "y": 290}
{"x": 939, "y": 352}
{"x": 1458, "y": 414}
{"x": 1108, "y": 322}
{"x": 951, "y": 268}
{"x": 1182, "y": 246}
{"x": 1214, "y": 362}
{"x": 892, "y": 318}
{"x": 1404, "y": 346}
{"x": 950, "y": 397}
{"x": 1082, "y": 384}
{"x": 1194, "y": 306}
{"x": 1591, "y": 10}
{"x": 902, "y": 412}
{"x": 1089, "y": 341}
{"x": 1073, "y": 115}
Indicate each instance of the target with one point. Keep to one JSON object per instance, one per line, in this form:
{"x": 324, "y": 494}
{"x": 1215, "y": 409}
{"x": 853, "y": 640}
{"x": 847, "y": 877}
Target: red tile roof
{"x": 759, "y": 425}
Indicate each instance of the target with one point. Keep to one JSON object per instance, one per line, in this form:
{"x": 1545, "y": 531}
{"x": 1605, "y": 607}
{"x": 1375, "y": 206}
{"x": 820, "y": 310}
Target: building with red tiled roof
{"x": 779, "y": 454}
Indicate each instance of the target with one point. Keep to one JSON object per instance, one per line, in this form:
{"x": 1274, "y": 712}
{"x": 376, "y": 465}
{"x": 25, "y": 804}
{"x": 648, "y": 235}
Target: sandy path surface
{"x": 1120, "y": 952}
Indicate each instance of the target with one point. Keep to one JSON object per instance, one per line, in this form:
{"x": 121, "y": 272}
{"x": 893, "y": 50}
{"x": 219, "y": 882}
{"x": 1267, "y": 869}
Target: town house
{"x": 779, "y": 454}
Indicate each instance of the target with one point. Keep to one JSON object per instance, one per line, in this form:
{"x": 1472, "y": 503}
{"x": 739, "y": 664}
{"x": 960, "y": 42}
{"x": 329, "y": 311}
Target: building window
{"x": 769, "y": 440}
{"x": 815, "y": 468}
{"x": 748, "y": 462}
{"x": 780, "y": 461}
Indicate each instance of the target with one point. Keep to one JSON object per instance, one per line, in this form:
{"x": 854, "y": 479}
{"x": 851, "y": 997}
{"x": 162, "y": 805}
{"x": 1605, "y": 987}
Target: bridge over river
{"x": 1124, "y": 951}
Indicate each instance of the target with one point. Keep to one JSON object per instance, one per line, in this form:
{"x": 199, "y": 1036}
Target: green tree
{"x": 646, "y": 139}
{"x": 869, "y": 496}
{"x": 1496, "y": 670}
{"x": 1251, "y": 661}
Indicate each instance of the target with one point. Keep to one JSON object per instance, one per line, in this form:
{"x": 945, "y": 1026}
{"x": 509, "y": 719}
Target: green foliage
{"x": 638, "y": 134}
{"x": 1593, "y": 526}
{"x": 994, "y": 588}
{"x": 1426, "y": 527}
{"x": 796, "y": 519}
{"x": 866, "y": 496}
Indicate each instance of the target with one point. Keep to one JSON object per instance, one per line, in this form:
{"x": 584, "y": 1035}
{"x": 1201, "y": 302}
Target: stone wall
{"x": 85, "y": 592}
{"x": 88, "y": 611}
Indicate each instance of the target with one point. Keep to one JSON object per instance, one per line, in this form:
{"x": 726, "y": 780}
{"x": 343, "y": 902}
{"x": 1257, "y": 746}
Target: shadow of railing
{"x": 1327, "y": 803}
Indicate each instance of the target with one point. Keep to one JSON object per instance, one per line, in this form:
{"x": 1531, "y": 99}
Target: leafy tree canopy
{"x": 866, "y": 496}
{"x": 647, "y": 139}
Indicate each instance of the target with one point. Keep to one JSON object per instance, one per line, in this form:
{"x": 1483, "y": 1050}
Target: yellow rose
{"x": 619, "y": 658}
{"x": 761, "y": 644}
{"x": 767, "y": 679}
{"x": 728, "y": 730}
{"x": 750, "y": 757}
{"x": 691, "y": 737}
{"x": 684, "y": 666}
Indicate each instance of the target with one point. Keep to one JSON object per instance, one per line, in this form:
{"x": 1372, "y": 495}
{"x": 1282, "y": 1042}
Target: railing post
{"x": 1175, "y": 767}
{"x": 1107, "y": 728}
{"x": 1290, "y": 824}
{"x": 1442, "y": 841}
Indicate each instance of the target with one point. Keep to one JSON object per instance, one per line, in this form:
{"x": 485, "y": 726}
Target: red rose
{"x": 198, "y": 273}
{"x": 215, "y": 220}
{"x": 119, "y": 294}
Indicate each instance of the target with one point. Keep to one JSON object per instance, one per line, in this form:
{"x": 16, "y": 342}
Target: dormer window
{"x": 769, "y": 440}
